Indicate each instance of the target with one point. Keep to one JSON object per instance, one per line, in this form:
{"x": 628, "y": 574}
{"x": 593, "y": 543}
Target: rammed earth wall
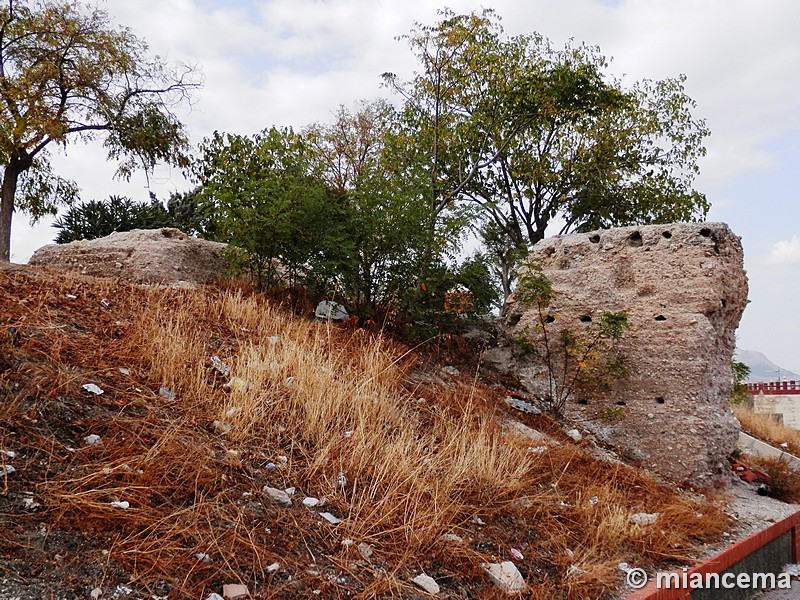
{"x": 684, "y": 288}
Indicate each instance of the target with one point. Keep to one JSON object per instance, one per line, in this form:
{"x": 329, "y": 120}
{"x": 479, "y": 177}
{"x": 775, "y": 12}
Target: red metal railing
{"x": 774, "y": 387}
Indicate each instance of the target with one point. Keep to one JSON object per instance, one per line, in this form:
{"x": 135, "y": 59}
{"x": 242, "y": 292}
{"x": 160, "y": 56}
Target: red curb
{"x": 725, "y": 559}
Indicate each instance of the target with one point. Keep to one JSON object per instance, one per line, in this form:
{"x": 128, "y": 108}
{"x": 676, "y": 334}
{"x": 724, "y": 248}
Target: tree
{"x": 68, "y": 74}
{"x": 534, "y": 135}
{"x": 266, "y": 199}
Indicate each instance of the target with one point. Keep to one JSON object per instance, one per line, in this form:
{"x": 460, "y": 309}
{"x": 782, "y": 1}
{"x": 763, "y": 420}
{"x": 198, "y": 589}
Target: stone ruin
{"x": 147, "y": 256}
{"x": 684, "y": 289}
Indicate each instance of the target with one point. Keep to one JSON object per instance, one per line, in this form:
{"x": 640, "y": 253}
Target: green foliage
{"x": 265, "y": 198}
{"x": 613, "y": 414}
{"x": 94, "y": 219}
{"x": 69, "y": 74}
{"x": 527, "y": 133}
{"x": 740, "y": 372}
{"x": 573, "y": 362}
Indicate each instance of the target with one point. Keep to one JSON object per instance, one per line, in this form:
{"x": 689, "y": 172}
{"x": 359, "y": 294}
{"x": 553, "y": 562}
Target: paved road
{"x": 792, "y": 594}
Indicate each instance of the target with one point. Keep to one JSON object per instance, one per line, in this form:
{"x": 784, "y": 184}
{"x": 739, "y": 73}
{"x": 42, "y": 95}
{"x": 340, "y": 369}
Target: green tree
{"x": 266, "y": 199}
{"x": 67, "y": 73}
{"x": 383, "y": 215}
{"x": 535, "y": 135}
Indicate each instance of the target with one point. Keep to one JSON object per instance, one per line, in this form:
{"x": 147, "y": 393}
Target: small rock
{"x": 221, "y": 427}
{"x": 214, "y": 596}
{"x": 505, "y": 576}
{"x": 365, "y": 550}
{"x": 575, "y": 435}
{"x": 203, "y": 557}
{"x": 9, "y": 469}
{"x": 93, "y": 440}
{"x": 522, "y": 406}
{"x": 220, "y": 366}
{"x": 451, "y": 537}
{"x": 572, "y": 570}
{"x": 450, "y": 370}
{"x": 310, "y": 502}
{"x": 124, "y": 504}
{"x": 124, "y": 371}
{"x": 642, "y": 519}
{"x": 273, "y": 568}
{"x": 166, "y": 393}
{"x": 331, "y": 310}
{"x": 347, "y": 542}
{"x": 96, "y": 593}
{"x": 477, "y": 520}
{"x": 93, "y": 388}
{"x": 277, "y": 496}
{"x": 8, "y": 453}
{"x": 341, "y": 480}
{"x": 290, "y": 491}
{"x": 332, "y": 519}
{"x": 273, "y": 339}
{"x": 427, "y": 583}
{"x": 234, "y": 591}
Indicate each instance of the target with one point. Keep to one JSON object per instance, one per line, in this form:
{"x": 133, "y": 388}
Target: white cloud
{"x": 785, "y": 252}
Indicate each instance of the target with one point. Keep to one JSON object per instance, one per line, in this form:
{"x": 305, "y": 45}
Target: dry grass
{"x": 765, "y": 427}
{"x": 310, "y": 402}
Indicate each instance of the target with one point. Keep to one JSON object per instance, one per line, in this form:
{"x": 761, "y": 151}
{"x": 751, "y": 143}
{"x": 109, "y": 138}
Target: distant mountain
{"x": 762, "y": 368}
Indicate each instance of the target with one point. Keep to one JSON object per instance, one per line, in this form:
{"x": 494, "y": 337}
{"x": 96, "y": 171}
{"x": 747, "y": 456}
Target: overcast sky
{"x": 292, "y": 62}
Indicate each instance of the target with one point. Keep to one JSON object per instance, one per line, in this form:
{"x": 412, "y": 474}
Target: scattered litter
{"x": 13, "y": 333}
{"x": 273, "y": 339}
{"x": 537, "y": 449}
{"x": 124, "y": 590}
{"x": 451, "y": 537}
{"x": 220, "y": 366}
{"x": 124, "y": 504}
{"x": 594, "y": 500}
{"x": 572, "y": 570}
{"x": 792, "y": 570}
{"x": 575, "y": 435}
{"x": 310, "y": 502}
{"x": 341, "y": 480}
{"x": 277, "y": 496}
{"x": 522, "y": 406}
{"x": 30, "y": 503}
{"x": 288, "y": 381}
{"x": 516, "y": 554}
{"x": 642, "y": 519}
{"x": 72, "y": 296}
{"x": 273, "y": 567}
{"x": 9, "y": 469}
{"x": 477, "y": 520}
{"x": 506, "y": 576}
{"x": 333, "y": 520}
{"x": 214, "y": 596}
{"x": 221, "y": 427}
{"x": 271, "y": 466}
{"x": 91, "y": 387}
{"x": 8, "y": 453}
{"x": 166, "y": 393}
{"x": 105, "y": 302}
{"x": 624, "y": 567}
{"x": 234, "y": 591}
{"x": 348, "y": 434}
{"x": 784, "y": 445}
{"x": 331, "y": 310}
{"x": 237, "y": 384}
{"x": 365, "y": 550}
{"x": 124, "y": 371}
{"x": 93, "y": 440}
{"x": 203, "y": 557}
{"x": 427, "y": 583}
{"x": 346, "y": 542}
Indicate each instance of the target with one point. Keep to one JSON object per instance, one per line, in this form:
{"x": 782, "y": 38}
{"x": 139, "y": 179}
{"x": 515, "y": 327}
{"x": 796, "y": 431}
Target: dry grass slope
{"x": 318, "y": 401}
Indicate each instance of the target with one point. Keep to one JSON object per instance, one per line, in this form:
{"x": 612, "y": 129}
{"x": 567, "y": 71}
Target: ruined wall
{"x": 684, "y": 289}
{"x": 151, "y": 256}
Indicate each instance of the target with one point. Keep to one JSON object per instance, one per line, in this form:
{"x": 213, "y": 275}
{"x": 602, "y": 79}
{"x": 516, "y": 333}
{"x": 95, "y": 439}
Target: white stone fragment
{"x": 277, "y": 496}
{"x": 505, "y": 576}
{"x": 427, "y": 583}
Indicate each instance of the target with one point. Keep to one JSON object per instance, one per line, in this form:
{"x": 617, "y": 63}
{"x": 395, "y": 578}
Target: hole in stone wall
{"x": 514, "y": 319}
{"x": 586, "y": 319}
{"x": 635, "y": 239}
{"x": 667, "y": 234}
{"x": 549, "y": 319}
{"x": 550, "y": 251}
{"x": 661, "y": 318}
{"x": 620, "y": 403}
{"x": 660, "y": 400}
{"x": 723, "y": 303}
{"x": 595, "y": 238}
{"x": 705, "y": 232}
{"x": 582, "y": 401}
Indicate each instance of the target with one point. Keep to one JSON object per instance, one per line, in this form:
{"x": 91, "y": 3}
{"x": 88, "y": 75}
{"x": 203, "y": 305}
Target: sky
{"x": 293, "y": 62}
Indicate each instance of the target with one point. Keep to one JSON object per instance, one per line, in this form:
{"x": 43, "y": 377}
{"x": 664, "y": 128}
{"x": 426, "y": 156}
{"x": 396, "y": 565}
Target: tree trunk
{"x": 10, "y": 177}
